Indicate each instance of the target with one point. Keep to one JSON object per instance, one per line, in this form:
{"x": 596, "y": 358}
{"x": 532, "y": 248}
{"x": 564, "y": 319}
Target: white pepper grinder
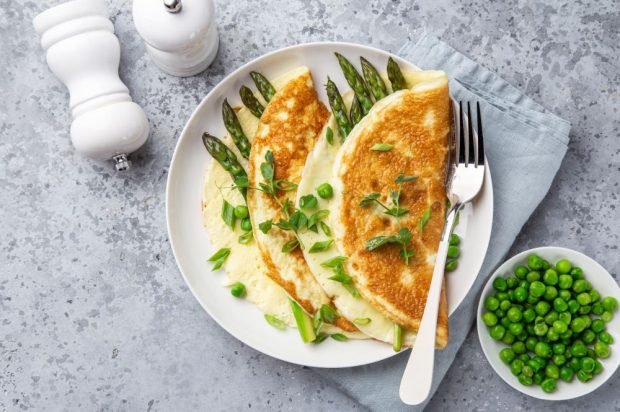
{"x": 83, "y": 52}
{"x": 180, "y": 35}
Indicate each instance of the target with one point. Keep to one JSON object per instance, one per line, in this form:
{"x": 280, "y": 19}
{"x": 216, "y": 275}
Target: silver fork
{"x": 463, "y": 186}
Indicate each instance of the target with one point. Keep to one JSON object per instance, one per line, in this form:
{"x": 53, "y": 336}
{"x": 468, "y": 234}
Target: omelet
{"x": 405, "y": 134}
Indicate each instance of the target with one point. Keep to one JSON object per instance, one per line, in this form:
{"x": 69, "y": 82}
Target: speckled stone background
{"x": 94, "y": 314}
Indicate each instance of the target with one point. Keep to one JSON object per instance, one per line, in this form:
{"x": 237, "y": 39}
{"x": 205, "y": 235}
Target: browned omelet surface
{"x": 289, "y": 127}
{"x": 417, "y": 124}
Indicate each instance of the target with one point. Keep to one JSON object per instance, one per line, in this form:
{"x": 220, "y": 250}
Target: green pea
{"x": 588, "y": 336}
{"x": 507, "y": 355}
{"x": 325, "y": 191}
{"x": 543, "y": 349}
{"x": 516, "y": 367}
{"x": 542, "y": 308}
{"x": 515, "y": 328}
{"x": 237, "y": 289}
{"x": 607, "y": 316}
{"x": 550, "y": 293}
{"x": 559, "y": 348}
{"x": 523, "y": 335}
{"x": 540, "y": 329}
{"x": 581, "y": 285}
{"x": 512, "y": 282}
{"x": 587, "y": 364}
{"x": 246, "y": 224}
{"x": 451, "y": 265}
{"x": 454, "y": 252}
{"x": 525, "y": 380}
{"x": 521, "y": 272}
{"x": 578, "y": 350}
{"x": 527, "y": 371}
{"x": 606, "y": 338}
{"x": 609, "y": 303}
{"x": 584, "y": 298}
{"x": 537, "y": 289}
{"x": 597, "y": 309}
{"x": 505, "y": 305}
{"x": 454, "y": 239}
{"x": 546, "y": 265}
{"x": 584, "y": 376}
{"x": 551, "y": 317}
{"x": 532, "y": 276}
{"x": 518, "y": 348}
{"x": 241, "y": 212}
{"x": 508, "y": 338}
{"x": 502, "y": 296}
{"x": 594, "y": 295}
{"x": 528, "y": 315}
{"x": 563, "y": 266}
{"x": 514, "y": 314}
{"x": 550, "y": 277}
{"x": 500, "y": 313}
{"x": 530, "y": 343}
{"x": 497, "y": 332}
{"x": 565, "y": 281}
{"x": 534, "y": 262}
{"x": 539, "y": 377}
{"x": 559, "y": 327}
{"x": 520, "y": 294}
{"x": 577, "y": 325}
{"x": 548, "y": 385}
{"x": 573, "y": 306}
{"x": 566, "y": 374}
{"x": 489, "y": 319}
{"x": 576, "y": 273}
{"x": 591, "y": 353}
{"x": 598, "y": 367}
{"x": 587, "y": 320}
{"x": 499, "y": 283}
{"x": 560, "y": 305}
{"x": 525, "y": 284}
{"x": 558, "y": 360}
{"x": 491, "y": 303}
{"x": 552, "y": 371}
{"x": 524, "y": 357}
{"x": 574, "y": 364}
{"x": 598, "y": 326}
{"x": 565, "y": 294}
{"x": 505, "y": 322}
{"x": 565, "y": 317}
{"x": 532, "y": 300}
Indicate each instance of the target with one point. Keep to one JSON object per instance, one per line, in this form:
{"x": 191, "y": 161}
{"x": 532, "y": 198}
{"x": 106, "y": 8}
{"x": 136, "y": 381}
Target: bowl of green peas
{"x": 548, "y": 323}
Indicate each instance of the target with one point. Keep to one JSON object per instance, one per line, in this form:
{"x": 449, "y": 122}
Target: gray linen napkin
{"x": 525, "y": 145}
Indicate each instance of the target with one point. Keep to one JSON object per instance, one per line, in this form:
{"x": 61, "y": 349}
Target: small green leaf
{"x": 317, "y": 217}
{"x": 320, "y": 337}
{"x": 334, "y": 262}
{"x": 396, "y": 211}
{"x": 405, "y": 254}
{"x": 362, "y": 321}
{"x": 269, "y": 157}
{"x": 339, "y": 337}
{"x": 228, "y": 215}
{"x": 329, "y": 135}
{"x": 291, "y": 245}
{"x": 242, "y": 181}
{"x": 369, "y": 198}
{"x": 328, "y": 314}
{"x": 342, "y": 278}
{"x": 424, "y": 219}
{"x": 382, "y": 147}
{"x": 284, "y": 185}
{"x": 308, "y": 202}
{"x": 404, "y": 235}
{"x": 401, "y": 178}
{"x": 326, "y": 229}
{"x": 298, "y": 220}
{"x": 245, "y": 238}
{"x": 275, "y": 322}
{"x": 287, "y": 206}
{"x": 284, "y": 225}
{"x": 321, "y": 246}
{"x": 267, "y": 171}
{"x": 265, "y": 226}
{"x": 379, "y": 241}
{"x": 267, "y": 188}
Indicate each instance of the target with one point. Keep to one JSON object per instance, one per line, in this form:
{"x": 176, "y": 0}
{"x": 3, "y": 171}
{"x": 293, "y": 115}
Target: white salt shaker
{"x": 83, "y": 52}
{"x": 180, "y": 35}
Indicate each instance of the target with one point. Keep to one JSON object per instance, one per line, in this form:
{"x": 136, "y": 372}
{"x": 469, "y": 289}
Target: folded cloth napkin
{"x": 525, "y": 145}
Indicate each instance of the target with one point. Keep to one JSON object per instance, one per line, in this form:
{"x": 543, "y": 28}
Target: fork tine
{"x": 480, "y": 139}
{"x": 461, "y": 146}
{"x": 471, "y": 146}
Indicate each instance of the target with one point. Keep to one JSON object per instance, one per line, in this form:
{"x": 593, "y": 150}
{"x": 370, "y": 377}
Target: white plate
{"x": 190, "y": 243}
{"x": 600, "y": 280}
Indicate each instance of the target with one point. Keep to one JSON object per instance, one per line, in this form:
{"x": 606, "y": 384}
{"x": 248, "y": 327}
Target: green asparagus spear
{"x": 338, "y": 108}
{"x": 234, "y": 128}
{"x": 355, "y": 114}
{"x": 225, "y": 157}
{"x": 356, "y": 82}
{"x": 395, "y": 75}
{"x": 250, "y": 101}
{"x": 373, "y": 80}
{"x": 262, "y": 84}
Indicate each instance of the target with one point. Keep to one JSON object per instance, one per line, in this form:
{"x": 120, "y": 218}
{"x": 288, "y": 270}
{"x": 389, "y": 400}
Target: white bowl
{"x": 600, "y": 280}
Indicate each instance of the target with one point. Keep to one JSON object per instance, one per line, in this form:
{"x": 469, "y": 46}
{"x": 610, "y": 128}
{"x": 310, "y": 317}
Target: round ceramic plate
{"x": 190, "y": 241}
{"x": 600, "y": 280}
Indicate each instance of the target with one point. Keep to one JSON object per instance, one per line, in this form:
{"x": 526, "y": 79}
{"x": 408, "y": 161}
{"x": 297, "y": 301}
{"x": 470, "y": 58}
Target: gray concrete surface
{"x": 93, "y": 312}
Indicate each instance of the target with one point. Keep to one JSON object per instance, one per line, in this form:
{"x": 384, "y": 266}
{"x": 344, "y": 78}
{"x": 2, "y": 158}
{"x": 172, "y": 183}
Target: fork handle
{"x": 415, "y": 385}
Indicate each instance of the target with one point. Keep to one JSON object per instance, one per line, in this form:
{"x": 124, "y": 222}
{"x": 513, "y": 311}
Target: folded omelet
{"x": 288, "y": 129}
{"x": 404, "y": 134}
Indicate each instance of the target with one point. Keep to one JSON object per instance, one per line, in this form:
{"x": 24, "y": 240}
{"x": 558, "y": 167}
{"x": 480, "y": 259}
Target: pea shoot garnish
{"x": 426, "y": 216}
{"x": 340, "y": 276}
